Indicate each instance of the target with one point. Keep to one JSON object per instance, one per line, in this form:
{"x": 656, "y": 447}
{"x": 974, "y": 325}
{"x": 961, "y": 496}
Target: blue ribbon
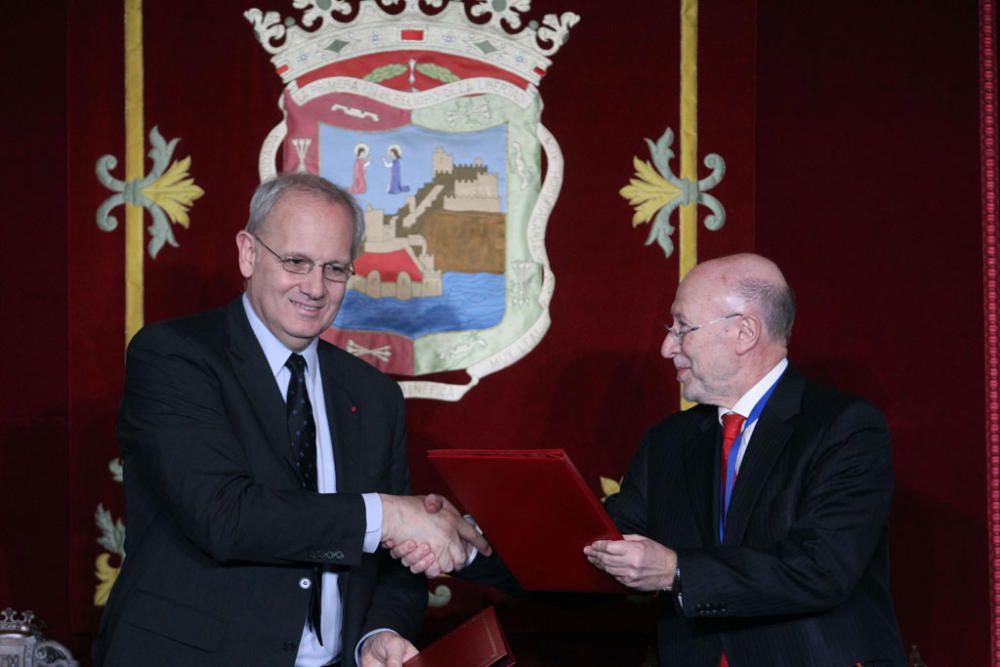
{"x": 734, "y": 455}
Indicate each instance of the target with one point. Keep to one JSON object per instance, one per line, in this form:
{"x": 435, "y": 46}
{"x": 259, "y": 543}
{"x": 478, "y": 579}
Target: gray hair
{"x": 775, "y": 302}
{"x": 270, "y": 191}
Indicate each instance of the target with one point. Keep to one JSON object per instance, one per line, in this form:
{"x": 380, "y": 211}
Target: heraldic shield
{"x": 428, "y": 111}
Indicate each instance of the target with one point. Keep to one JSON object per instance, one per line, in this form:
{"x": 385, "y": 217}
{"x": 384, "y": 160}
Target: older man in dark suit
{"x": 761, "y": 513}
{"x": 263, "y": 467}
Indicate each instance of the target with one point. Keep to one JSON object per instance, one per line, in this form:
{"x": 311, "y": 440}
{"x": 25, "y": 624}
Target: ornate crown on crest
{"x": 491, "y": 31}
{"x": 21, "y": 623}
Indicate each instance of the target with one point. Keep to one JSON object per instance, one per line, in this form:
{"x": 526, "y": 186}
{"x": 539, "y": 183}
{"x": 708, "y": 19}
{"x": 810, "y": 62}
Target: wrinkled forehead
{"x": 700, "y": 295}
{"x": 296, "y": 208}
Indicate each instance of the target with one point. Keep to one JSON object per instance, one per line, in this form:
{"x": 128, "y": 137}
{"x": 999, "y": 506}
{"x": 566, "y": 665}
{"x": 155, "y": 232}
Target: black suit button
{"x": 290, "y": 646}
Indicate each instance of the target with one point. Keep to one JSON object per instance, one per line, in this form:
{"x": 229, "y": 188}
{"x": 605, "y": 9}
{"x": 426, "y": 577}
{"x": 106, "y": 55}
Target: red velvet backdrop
{"x": 874, "y": 215}
{"x": 850, "y": 136}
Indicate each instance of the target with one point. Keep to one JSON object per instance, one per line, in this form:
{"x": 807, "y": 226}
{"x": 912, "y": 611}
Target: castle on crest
{"x": 473, "y": 187}
{"x": 397, "y": 264}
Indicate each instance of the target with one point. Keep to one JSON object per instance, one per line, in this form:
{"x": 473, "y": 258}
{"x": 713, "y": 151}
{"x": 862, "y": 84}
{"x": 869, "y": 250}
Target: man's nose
{"x": 313, "y": 284}
{"x": 671, "y": 346}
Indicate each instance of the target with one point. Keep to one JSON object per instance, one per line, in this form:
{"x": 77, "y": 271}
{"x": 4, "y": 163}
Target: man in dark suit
{"x": 263, "y": 467}
{"x": 761, "y": 513}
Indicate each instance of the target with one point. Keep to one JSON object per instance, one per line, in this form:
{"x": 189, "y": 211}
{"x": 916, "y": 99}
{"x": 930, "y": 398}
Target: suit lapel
{"x": 255, "y": 376}
{"x": 701, "y": 457}
{"x": 769, "y": 438}
{"x": 342, "y": 415}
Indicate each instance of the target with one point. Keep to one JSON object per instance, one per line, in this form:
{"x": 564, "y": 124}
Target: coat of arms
{"x": 428, "y": 111}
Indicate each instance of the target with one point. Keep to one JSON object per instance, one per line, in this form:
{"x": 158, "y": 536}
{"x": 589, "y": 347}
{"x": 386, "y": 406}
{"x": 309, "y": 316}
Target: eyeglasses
{"x": 332, "y": 271}
{"x": 680, "y": 333}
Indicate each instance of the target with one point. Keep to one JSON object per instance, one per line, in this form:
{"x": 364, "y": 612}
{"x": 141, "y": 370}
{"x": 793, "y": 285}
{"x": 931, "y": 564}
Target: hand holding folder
{"x": 536, "y": 509}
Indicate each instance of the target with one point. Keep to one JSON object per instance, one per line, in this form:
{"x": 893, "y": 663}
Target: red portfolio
{"x": 479, "y": 642}
{"x": 536, "y": 510}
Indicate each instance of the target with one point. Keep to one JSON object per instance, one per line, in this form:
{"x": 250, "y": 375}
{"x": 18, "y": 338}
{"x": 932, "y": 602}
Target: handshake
{"x": 429, "y": 534}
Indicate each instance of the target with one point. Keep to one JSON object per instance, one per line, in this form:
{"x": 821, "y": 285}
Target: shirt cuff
{"x": 357, "y": 649}
{"x": 373, "y": 526}
{"x": 678, "y": 587}
{"x": 470, "y": 550}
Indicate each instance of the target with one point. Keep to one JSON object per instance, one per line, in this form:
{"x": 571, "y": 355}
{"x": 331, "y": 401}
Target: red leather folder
{"x": 535, "y": 508}
{"x": 479, "y": 642}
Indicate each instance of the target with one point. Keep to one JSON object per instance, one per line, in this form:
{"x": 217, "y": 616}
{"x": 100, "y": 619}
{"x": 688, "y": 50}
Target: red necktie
{"x": 731, "y": 425}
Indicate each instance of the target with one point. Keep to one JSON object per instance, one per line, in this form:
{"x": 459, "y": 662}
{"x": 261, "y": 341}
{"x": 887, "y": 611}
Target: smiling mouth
{"x": 308, "y": 308}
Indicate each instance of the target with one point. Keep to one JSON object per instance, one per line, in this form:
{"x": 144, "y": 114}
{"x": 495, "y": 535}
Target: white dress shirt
{"x": 745, "y": 406}
{"x": 311, "y": 652}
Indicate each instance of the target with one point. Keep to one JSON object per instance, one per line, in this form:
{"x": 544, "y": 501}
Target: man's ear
{"x": 748, "y": 332}
{"x": 246, "y": 246}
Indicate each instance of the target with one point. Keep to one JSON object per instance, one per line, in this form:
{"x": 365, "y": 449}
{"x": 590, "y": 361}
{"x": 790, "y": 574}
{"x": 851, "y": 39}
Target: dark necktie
{"x": 302, "y": 437}
{"x": 731, "y": 425}
{"x": 301, "y": 426}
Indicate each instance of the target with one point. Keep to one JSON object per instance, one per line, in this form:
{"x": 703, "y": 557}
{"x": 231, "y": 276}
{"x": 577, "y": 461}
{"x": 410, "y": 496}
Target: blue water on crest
{"x": 470, "y": 301}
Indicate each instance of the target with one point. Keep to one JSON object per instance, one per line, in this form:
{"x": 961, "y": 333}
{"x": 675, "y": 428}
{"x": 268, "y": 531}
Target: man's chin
{"x": 307, "y": 335}
{"x": 302, "y": 336}
{"x": 690, "y": 394}
{"x": 310, "y": 327}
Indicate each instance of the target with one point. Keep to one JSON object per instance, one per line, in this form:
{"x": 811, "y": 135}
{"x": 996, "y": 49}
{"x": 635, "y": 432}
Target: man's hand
{"x": 433, "y": 526}
{"x": 386, "y": 649}
{"x": 637, "y": 562}
{"x": 419, "y": 558}
{"x": 472, "y": 537}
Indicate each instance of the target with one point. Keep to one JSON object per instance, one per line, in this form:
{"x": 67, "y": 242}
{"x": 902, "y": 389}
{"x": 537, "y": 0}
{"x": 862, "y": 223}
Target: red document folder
{"x": 535, "y": 508}
{"x": 479, "y": 642}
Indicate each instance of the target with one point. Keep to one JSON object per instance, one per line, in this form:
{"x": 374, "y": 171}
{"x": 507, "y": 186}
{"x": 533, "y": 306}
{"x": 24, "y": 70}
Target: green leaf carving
{"x": 385, "y": 72}
{"x": 437, "y": 72}
{"x": 112, "y": 532}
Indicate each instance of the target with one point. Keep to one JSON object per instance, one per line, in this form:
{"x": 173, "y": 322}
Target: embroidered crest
{"x": 429, "y": 113}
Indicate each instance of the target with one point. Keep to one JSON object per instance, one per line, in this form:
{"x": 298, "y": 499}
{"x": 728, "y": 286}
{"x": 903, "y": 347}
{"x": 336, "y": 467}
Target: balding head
{"x": 732, "y": 318}
{"x": 753, "y": 284}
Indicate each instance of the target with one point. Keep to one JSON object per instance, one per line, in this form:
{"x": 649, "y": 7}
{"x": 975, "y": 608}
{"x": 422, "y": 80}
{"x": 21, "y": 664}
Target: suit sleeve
{"x": 400, "y": 597}
{"x": 836, "y": 508}
{"x": 627, "y": 508}
{"x": 179, "y": 439}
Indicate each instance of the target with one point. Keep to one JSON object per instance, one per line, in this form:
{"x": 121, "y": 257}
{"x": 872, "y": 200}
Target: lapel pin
{"x": 354, "y": 409}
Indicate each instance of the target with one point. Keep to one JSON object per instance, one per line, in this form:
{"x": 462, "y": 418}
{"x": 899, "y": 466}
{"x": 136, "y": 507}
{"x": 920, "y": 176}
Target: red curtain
{"x": 851, "y": 137}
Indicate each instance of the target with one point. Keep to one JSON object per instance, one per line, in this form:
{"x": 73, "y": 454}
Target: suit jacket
{"x": 221, "y": 539}
{"x": 802, "y": 575}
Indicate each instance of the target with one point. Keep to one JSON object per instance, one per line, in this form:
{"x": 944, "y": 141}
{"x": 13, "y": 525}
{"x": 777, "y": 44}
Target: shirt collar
{"x": 274, "y": 350}
{"x": 749, "y": 399}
